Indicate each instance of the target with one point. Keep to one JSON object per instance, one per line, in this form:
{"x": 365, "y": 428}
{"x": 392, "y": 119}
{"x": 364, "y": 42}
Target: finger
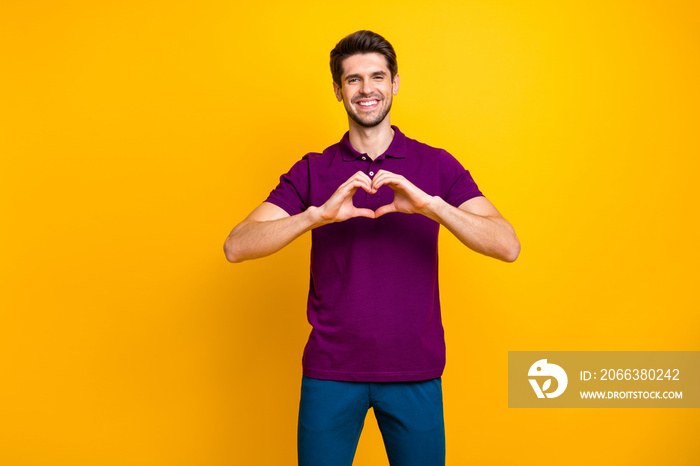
{"x": 382, "y": 174}
{"x": 385, "y": 171}
{"x": 363, "y": 175}
{"x": 377, "y": 180}
{"x": 385, "y": 209}
{"x": 349, "y": 188}
{"x": 367, "y": 181}
{"x": 360, "y": 175}
{"x": 363, "y": 213}
{"x": 388, "y": 179}
{"x": 356, "y": 176}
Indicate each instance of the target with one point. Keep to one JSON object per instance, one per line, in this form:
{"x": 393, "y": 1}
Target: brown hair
{"x": 361, "y": 42}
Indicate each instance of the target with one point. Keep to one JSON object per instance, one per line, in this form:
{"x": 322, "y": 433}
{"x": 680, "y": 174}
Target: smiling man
{"x": 374, "y": 202}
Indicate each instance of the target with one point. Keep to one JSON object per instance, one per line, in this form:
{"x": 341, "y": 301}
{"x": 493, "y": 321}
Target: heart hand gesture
{"x": 407, "y": 197}
{"x": 339, "y": 206}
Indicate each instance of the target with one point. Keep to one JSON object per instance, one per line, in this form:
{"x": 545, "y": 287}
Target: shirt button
{"x": 371, "y": 173}
{"x": 364, "y": 158}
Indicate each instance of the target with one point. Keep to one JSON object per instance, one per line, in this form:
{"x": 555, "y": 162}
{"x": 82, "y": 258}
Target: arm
{"x": 476, "y": 222}
{"x": 268, "y": 228}
{"x": 478, "y": 225}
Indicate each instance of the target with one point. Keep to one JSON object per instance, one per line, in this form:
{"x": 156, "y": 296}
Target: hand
{"x": 339, "y": 206}
{"x": 408, "y": 198}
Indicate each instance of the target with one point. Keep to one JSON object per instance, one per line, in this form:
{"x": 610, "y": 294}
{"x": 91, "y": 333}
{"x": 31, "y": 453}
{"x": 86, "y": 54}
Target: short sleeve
{"x": 456, "y": 183}
{"x": 292, "y": 192}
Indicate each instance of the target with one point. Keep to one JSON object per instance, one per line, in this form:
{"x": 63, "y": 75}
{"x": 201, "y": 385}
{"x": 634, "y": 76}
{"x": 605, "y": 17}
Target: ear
{"x": 338, "y": 92}
{"x": 395, "y": 85}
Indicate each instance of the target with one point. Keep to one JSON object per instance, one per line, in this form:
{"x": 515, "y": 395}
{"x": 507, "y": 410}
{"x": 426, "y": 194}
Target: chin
{"x": 369, "y": 123}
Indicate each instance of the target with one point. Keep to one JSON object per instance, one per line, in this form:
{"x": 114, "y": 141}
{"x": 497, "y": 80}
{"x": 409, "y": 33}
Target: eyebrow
{"x": 375, "y": 73}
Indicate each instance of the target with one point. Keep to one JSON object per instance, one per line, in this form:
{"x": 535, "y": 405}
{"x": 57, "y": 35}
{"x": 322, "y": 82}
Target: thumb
{"x": 385, "y": 209}
{"x": 363, "y": 213}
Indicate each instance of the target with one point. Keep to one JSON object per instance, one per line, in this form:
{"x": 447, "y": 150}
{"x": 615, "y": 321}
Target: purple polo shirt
{"x": 373, "y": 295}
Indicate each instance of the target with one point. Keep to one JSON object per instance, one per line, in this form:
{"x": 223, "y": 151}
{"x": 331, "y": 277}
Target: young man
{"x": 377, "y": 338}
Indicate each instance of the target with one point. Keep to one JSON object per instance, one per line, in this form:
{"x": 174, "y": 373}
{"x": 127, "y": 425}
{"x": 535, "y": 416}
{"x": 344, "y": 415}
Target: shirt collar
{"x": 397, "y": 148}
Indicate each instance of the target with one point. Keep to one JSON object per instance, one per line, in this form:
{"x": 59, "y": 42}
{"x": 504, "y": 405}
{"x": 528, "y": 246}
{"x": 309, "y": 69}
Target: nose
{"x": 367, "y": 86}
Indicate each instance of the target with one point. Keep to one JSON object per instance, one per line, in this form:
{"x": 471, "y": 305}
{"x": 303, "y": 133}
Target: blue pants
{"x": 409, "y": 415}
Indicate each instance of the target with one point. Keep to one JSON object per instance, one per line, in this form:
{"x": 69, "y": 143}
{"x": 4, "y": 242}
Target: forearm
{"x": 269, "y": 228}
{"x": 253, "y": 239}
{"x": 491, "y": 236}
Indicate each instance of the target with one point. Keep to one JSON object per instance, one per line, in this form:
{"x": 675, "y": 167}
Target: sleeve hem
{"x": 282, "y": 206}
{"x": 465, "y": 197}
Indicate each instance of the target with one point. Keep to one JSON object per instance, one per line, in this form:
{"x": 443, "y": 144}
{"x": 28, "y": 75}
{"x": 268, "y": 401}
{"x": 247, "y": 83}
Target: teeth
{"x": 366, "y": 104}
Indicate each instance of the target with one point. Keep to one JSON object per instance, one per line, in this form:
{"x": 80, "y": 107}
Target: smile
{"x": 368, "y": 103}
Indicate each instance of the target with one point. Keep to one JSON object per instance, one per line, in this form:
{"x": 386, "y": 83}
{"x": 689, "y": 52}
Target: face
{"x": 367, "y": 89}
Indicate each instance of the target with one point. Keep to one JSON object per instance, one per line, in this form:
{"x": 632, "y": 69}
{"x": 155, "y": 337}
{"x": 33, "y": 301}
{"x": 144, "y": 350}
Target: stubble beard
{"x": 369, "y": 121}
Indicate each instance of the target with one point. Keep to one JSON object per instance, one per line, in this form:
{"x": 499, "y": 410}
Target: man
{"x": 377, "y": 338}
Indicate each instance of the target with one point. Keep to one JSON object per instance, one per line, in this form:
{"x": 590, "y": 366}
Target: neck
{"x": 371, "y": 141}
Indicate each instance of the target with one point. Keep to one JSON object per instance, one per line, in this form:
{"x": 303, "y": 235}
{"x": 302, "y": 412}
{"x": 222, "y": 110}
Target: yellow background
{"x": 135, "y": 134}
